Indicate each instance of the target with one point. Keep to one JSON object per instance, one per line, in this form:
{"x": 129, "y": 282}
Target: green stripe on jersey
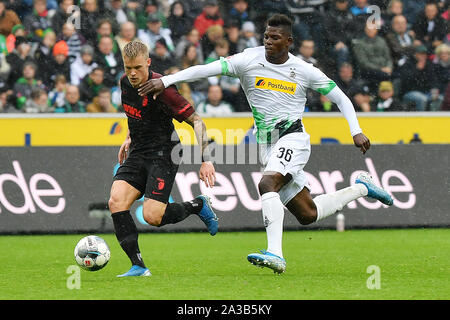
{"x": 330, "y": 86}
{"x": 224, "y": 64}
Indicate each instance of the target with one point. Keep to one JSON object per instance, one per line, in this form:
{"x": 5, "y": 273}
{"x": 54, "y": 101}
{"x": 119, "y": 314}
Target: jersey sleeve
{"x": 319, "y": 82}
{"x": 178, "y": 105}
{"x": 233, "y": 65}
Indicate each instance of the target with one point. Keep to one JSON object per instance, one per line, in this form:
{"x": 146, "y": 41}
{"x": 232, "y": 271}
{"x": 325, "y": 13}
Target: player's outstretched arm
{"x": 207, "y": 172}
{"x": 337, "y": 96}
{"x": 156, "y": 86}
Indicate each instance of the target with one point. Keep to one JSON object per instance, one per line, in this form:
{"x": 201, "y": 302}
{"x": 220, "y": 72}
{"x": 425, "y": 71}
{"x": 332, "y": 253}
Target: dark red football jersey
{"x": 150, "y": 121}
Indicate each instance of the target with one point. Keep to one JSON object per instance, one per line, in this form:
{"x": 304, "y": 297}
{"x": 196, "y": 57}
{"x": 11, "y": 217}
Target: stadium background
{"x": 56, "y": 171}
{"x": 78, "y": 155}
{"x": 41, "y": 153}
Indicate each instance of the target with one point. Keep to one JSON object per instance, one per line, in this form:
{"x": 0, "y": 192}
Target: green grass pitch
{"x": 412, "y": 264}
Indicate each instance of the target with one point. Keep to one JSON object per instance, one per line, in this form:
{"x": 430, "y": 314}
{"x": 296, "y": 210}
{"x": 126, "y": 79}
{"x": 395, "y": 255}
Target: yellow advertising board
{"x": 107, "y": 130}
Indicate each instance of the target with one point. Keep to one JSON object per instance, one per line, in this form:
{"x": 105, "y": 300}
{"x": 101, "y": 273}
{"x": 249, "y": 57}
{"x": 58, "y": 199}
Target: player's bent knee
{"x": 115, "y": 205}
{"x": 153, "y": 217}
{"x": 305, "y": 217}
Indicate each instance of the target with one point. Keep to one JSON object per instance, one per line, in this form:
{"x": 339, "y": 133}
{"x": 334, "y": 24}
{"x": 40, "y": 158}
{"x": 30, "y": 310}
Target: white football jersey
{"x": 275, "y": 92}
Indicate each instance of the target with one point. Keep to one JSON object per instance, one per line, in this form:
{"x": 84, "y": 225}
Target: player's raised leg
{"x": 308, "y": 210}
{"x": 121, "y": 198}
{"x": 159, "y": 214}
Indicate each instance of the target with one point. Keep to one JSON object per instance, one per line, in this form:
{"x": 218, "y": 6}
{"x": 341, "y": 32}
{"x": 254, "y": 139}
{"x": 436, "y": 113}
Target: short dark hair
{"x": 281, "y": 20}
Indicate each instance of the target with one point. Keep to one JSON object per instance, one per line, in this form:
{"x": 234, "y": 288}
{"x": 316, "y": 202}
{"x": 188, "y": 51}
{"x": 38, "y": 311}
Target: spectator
{"x": 59, "y": 65}
{"x": 417, "y": 80}
{"x": 360, "y": 11}
{"x": 17, "y": 31}
{"x": 118, "y": 12}
{"x": 441, "y": 70}
{"x": 200, "y": 87}
{"x": 355, "y": 89}
{"x": 162, "y": 60}
{"x": 194, "y": 7}
{"x": 395, "y": 8}
{"x": 83, "y": 65}
{"x": 214, "y": 105}
{"x": 430, "y": 28}
{"x": 233, "y": 35}
{"x": 373, "y": 57}
{"x": 360, "y": 7}
{"x": 179, "y": 22}
{"x": 339, "y": 29}
{"x": 308, "y": 19}
{"x": 208, "y": 42}
{"x": 266, "y": 8}
{"x": 132, "y": 10}
{"x": 249, "y": 38}
{"x": 43, "y": 54}
{"x": 73, "y": 39}
{"x": 36, "y": 22}
{"x": 192, "y": 37}
{"x": 220, "y": 50}
{"x": 111, "y": 63}
{"x": 25, "y": 85}
{"x": 127, "y": 34}
{"x": 37, "y": 102}
{"x": 104, "y": 29}
{"x": 386, "y": 101}
{"x": 412, "y": 9}
{"x": 155, "y": 31}
{"x": 56, "y": 96}
{"x": 306, "y": 51}
{"x": 441, "y": 66}
{"x": 62, "y": 15}
{"x": 91, "y": 85}
{"x": 401, "y": 42}
{"x": 8, "y": 19}
{"x": 446, "y": 14}
{"x": 102, "y": 102}
{"x": 72, "y": 101}
{"x": 209, "y": 17}
{"x": 17, "y": 58}
{"x": 5, "y": 69}
{"x": 91, "y": 15}
{"x": 151, "y": 7}
{"x": 239, "y": 12}
{"x": 5, "y": 106}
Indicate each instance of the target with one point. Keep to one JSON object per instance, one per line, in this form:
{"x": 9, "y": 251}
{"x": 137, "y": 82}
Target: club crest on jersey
{"x": 276, "y": 85}
{"x": 292, "y": 74}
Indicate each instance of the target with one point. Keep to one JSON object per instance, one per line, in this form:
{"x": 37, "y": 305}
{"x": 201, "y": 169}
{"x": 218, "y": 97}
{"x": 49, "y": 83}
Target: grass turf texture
{"x": 414, "y": 264}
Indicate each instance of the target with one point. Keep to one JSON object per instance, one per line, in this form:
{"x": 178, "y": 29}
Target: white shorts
{"x": 288, "y": 155}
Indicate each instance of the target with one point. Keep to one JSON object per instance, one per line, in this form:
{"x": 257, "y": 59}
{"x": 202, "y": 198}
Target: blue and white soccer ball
{"x": 92, "y": 253}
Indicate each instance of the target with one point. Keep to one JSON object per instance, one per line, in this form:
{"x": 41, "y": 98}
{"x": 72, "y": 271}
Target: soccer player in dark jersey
{"x": 146, "y": 163}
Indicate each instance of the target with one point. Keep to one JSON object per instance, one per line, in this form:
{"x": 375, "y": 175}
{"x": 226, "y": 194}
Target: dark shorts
{"x": 154, "y": 178}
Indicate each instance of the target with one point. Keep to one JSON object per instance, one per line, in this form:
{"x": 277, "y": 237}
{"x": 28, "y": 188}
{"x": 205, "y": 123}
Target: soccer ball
{"x": 92, "y": 253}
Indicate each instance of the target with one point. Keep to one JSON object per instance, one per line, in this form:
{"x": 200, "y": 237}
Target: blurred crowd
{"x": 65, "y": 55}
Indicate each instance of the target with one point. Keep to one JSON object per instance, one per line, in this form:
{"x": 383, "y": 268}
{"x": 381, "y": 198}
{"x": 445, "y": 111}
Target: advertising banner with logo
{"x": 65, "y": 189}
{"x": 92, "y": 129}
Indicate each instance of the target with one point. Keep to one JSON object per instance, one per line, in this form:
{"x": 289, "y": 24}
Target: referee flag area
{"x": 55, "y": 168}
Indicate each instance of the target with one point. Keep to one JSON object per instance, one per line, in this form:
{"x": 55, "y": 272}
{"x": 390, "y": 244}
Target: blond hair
{"x": 135, "y": 48}
{"x": 442, "y": 48}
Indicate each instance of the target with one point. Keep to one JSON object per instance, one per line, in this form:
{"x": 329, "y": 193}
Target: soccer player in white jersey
{"x": 275, "y": 83}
